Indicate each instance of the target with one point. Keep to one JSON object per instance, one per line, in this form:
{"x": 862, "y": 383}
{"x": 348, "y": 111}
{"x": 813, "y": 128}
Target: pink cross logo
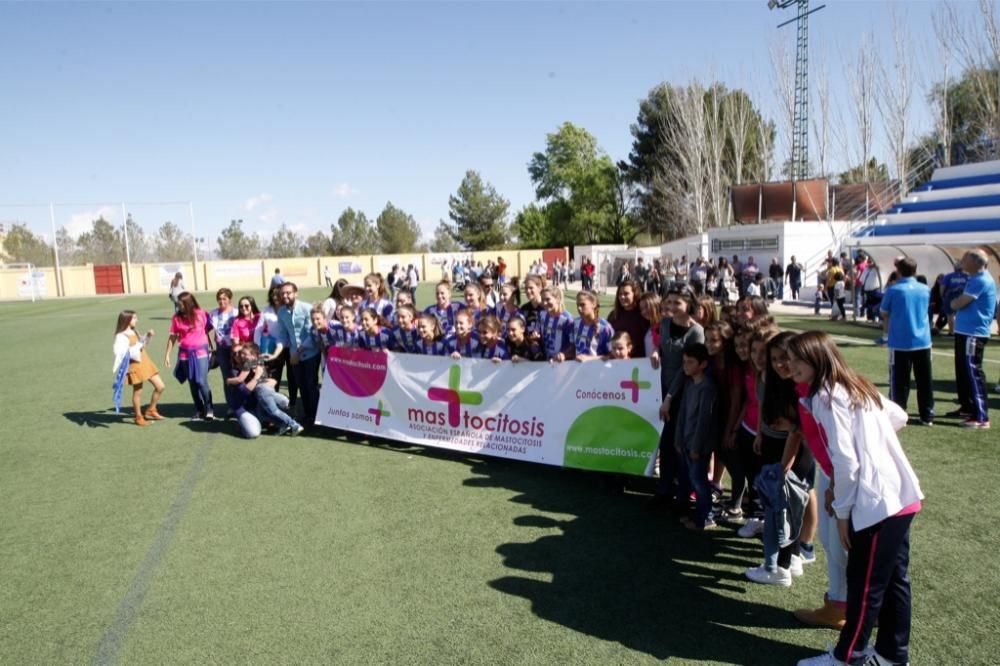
{"x": 378, "y": 413}
{"x": 634, "y": 385}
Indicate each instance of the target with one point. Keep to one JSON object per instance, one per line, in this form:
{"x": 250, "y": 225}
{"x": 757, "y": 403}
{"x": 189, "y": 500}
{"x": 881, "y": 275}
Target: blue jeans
{"x": 697, "y": 480}
{"x": 201, "y": 393}
{"x": 270, "y": 404}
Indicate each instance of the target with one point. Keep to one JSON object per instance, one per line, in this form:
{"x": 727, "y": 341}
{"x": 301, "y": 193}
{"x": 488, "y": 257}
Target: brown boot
{"x": 154, "y": 415}
{"x": 140, "y": 421}
{"x": 828, "y": 615}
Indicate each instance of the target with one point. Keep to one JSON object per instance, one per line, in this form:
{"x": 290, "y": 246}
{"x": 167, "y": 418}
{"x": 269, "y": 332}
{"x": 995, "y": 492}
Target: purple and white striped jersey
{"x": 382, "y": 306}
{"x": 499, "y": 350}
{"x": 378, "y": 341}
{"x": 338, "y": 336}
{"x": 406, "y": 341}
{"x": 503, "y": 315}
{"x": 436, "y": 348}
{"x": 445, "y": 317}
{"x": 592, "y": 339}
{"x": 557, "y": 332}
{"x": 466, "y": 348}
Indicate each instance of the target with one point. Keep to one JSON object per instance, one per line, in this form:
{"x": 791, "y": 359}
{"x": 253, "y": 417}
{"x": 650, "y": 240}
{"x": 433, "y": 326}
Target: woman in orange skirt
{"x": 130, "y": 348}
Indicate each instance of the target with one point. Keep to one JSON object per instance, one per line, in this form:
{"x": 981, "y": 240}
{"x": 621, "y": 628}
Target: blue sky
{"x": 289, "y": 112}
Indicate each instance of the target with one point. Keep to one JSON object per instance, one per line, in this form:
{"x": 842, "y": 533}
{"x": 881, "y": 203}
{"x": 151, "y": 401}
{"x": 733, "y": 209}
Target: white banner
{"x": 594, "y": 415}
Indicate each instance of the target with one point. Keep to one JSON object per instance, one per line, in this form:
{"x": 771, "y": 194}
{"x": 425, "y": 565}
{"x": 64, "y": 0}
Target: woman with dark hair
{"x": 247, "y": 316}
{"x": 626, "y": 316}
{"x": 189, "y": 330}
{"x": 334, "y": 300}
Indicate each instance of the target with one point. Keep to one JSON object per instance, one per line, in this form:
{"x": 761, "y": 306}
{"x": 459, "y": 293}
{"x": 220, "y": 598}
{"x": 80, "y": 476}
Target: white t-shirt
{"x": 753, "y": 289}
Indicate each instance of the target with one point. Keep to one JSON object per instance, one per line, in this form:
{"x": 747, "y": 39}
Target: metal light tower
{"x": 800, "y": 124}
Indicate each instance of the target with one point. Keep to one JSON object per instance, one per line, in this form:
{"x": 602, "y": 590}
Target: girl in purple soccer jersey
{"x": 376, "y": 296}
{"x": 591, "y": 334}
{"x": 431, "y": 336}
{"x": 464, "y": 341}
{"x": 375, "y": 336}
{"x": 443, "y": 308}
{"x": 555, "y": 325}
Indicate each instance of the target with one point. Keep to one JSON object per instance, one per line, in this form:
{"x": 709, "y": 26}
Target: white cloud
{"x": 344, "y": 191}
{"x": 80, "y": 223}
{"x": 269, "y": 216}
{"x": 256, "y": 201}
{"x": 300, "y": 228}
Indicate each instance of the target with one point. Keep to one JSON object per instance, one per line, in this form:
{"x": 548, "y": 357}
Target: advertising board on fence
{"x": 596, "y": 415}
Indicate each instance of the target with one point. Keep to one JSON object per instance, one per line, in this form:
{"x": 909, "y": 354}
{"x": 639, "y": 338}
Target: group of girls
{"x": 507, "y": 330}
{"x": 790, "y": 404}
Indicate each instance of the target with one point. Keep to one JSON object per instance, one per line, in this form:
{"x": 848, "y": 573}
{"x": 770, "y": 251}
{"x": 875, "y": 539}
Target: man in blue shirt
{"x": 295, "y": 334}
{"x": 904, "y": 308}
{"x": 974, "y": 311}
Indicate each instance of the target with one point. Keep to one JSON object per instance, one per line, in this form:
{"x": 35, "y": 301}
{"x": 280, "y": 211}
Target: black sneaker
{"x": 958, "y": 414}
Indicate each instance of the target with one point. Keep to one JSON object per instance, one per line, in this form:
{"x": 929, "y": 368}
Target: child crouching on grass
{"x": 696, "y": 434}
{"x": 270, "y": 403}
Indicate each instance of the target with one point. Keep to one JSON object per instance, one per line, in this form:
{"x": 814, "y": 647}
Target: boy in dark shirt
{"x": 696, "y": 433}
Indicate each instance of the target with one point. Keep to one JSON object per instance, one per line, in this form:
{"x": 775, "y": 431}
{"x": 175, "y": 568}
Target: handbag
{"x": 213, "y": 360}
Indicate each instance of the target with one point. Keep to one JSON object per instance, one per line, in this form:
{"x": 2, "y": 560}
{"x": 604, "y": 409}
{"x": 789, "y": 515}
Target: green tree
{"x": 578, "y": 183}
{"x": 21, "y": 245}
{"x": 443, "y": 241}
{"x": 234, "y": 243}
{"x": 101, "y": 245}
{"x": 317, "y": 245}
{"x": 398, "y": 232}
{"x": 172, "y": 244}
{"x": 353, "y": 234}
{"x": 531, "y": 227}
{"x": 138, "y": 244}
{"x": 285, "y": 243}
{"x": 657, "y": 159}
{"x": 877, "y": 173}
{"x": 479, "y": 214}
{"x": 66, "y": 245}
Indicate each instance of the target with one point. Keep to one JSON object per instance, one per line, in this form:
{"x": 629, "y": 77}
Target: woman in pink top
{"x": 189, "y": 331}
{"x": 247, "y": 316}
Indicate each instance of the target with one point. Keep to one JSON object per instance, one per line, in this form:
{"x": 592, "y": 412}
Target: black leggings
{"x": 743, "y": 465}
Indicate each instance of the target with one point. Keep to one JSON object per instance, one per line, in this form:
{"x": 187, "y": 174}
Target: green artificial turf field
{"x": 183, "y": 544}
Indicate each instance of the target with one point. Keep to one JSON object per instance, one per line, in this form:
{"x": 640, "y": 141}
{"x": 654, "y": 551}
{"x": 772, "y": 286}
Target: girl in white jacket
{"x": 130, "y": 349}
{"x": 875, "y": 497}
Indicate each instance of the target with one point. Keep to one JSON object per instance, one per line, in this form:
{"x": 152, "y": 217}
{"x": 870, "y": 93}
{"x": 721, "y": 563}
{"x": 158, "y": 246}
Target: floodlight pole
{"x": 800, "y": 123}
{"x": 128, "y": 256}
{"x": 194, "y": 244}
{"x": 55, "y": 247}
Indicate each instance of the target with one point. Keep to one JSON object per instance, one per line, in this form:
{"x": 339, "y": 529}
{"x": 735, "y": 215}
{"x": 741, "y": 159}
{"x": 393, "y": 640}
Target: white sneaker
{"x": 796, "y": 566}
{"x": 752, "y": 528}
{"x": 825, "y": 659}
{"x": 875, "y": 659}
{"x": 780, "y": 577}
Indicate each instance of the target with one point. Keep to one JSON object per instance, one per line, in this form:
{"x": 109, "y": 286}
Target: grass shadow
{"x": 103, "y": 419}
{"x": 622, "y": 574}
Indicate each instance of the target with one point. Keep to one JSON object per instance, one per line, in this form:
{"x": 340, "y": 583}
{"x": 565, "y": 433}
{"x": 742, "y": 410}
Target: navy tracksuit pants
{"x": 878, "y": 587}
